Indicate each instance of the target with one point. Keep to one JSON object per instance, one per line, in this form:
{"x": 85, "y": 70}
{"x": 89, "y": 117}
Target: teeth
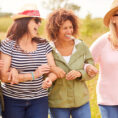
{"x": 71, "y": 37}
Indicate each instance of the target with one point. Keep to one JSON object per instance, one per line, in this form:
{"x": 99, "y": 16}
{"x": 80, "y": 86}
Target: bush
{"x": 5, "y": 22}
{"x": 90, "y": 27}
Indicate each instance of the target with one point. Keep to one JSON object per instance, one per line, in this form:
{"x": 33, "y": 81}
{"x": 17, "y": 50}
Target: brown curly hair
{"x": 56, "y": 19}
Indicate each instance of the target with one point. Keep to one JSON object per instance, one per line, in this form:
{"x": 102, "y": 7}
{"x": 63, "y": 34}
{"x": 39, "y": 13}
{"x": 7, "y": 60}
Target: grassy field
{"x": 88, "y": 39}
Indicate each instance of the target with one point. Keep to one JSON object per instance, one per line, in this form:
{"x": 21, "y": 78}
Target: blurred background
{"x": 90, "y": 13}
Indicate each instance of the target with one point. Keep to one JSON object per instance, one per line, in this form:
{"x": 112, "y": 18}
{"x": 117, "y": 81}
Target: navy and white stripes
{"x": 25, "y": 63}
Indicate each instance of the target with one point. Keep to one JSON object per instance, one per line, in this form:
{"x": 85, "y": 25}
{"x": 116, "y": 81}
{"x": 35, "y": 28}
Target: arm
{"x": 6, "y": 67}
{"x": 91, "y": 70}
{"x": 51, "y": 63}
{"x": 51, "y": 76}
{"x": 1, "y": 64}
{"x": 96, "y": 49}
{"x": 53, "y": 68}
{"x": 88, "y": 60}
{"x": 5, "y": 72}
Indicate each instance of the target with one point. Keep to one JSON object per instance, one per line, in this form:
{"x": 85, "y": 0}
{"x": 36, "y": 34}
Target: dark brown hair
{"x": 19, "y": 28}
{"x": 56, "y": 19}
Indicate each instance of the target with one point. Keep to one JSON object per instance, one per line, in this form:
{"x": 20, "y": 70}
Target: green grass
{"x": 93, "y": 103}
{"x": 2, "y": 35}
{"x": 5, "y": 22}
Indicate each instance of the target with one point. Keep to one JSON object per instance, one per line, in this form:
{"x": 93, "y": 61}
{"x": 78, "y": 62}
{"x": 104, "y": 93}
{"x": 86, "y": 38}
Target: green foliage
{"x": 56, "y": 4}
{"x": 2, "y": 14}
{"x": 42, "y": 28}
{"x": 5, "y": 22}
{"x": 92, "y": 26}
{"x": 95, "y": 113}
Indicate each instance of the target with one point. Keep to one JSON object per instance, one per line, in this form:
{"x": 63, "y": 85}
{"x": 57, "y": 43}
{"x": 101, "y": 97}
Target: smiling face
{"x": 33, "y": 26}
{"x": 65, "y": 30}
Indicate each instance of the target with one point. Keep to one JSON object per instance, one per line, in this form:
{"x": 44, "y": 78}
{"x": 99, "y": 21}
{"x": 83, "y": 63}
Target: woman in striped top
{"x": 24, "y": 52}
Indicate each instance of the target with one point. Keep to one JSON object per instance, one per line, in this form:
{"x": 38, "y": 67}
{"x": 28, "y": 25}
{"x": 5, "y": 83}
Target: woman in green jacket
{"x": 68, "y": 95}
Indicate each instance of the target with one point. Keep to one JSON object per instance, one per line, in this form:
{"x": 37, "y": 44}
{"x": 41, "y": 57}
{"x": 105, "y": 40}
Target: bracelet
{"x": 32, "y": 75}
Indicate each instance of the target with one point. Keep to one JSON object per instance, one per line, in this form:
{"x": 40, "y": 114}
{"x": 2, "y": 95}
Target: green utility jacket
{"x": 71, "y": 93}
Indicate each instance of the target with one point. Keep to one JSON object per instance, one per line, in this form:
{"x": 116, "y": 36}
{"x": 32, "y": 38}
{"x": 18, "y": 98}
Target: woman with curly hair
{"x": 68, "y": 95}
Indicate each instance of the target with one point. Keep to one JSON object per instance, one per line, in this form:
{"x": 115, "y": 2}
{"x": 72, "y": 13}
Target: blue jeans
{"x": 49, "y": 113}
{"x": 79, "y": 112}
{"x": 0, "y": 108}
{"x": 17, "y": 108}
{"x": 109, "y": 111}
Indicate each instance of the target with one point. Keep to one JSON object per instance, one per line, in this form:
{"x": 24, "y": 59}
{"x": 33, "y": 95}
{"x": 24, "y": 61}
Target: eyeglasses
{"x": 37, "y": 20}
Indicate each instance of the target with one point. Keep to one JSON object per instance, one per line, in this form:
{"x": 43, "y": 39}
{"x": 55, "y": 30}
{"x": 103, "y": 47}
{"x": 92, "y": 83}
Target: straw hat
{"x": 113, "y": 9}
{"x": 28, "y": 10}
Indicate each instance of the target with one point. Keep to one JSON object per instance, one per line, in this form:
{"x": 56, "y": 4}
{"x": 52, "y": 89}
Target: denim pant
{"x": 0, "y": 108}
{"x": 49, "y": 113}
{"x": 17, "y": 108}
{"x": 79, "y": 112}
{"x": 109, "y": 111}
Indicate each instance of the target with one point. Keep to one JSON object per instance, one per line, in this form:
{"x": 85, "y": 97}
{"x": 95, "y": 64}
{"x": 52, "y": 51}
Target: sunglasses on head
{"x": 37, "y": 20}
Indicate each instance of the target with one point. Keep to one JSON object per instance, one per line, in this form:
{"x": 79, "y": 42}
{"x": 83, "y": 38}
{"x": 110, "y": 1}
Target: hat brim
{"x": 109, "y": 15}
{"x": 15, "y": 17}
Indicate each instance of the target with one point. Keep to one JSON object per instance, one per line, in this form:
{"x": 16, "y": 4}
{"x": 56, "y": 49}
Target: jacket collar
{"x": 59, "y": 57}
{"x": 77, "y": 41}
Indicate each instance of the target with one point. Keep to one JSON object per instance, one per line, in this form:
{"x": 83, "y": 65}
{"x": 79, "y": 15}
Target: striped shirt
{"x": 25, "y": 63}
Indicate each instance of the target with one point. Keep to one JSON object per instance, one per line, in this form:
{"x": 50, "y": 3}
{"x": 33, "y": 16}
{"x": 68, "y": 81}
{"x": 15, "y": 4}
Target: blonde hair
{"x": 113, "y": 35}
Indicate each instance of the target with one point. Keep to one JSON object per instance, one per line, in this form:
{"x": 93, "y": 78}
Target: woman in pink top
{"x": 105, "y": 53}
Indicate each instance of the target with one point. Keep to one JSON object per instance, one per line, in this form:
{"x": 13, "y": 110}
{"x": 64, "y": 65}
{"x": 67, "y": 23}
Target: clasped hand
{"x": 91, "y": 70}
{"x": 69, "y": 76}
{"x": 61, "y": 74}
{"x": 14, "y": 75}
{"x": 43, "y": 69}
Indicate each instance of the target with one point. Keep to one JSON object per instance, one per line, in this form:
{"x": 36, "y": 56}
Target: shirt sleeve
{"x": 88, "y": 60}
{"x": 88, "y": 56}
{"x": 48, "y": 48}
{"x": 97, "y": 47}
{"x": 6, "y": 47}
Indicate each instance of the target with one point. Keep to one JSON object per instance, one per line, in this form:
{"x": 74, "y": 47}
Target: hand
{"x": 73, "y": 75}
{"x": 1, "y": 64}
{"x": 58, "y": 71}
{"x": 43, "y": 69}
{"x": 47, "y": 83}
{"x": 91, "y": 70}
{"x": 13, "y": 76}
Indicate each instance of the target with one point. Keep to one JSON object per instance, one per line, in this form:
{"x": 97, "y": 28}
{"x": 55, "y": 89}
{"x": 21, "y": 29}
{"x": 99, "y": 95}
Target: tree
{"x": 56, "y": 4}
